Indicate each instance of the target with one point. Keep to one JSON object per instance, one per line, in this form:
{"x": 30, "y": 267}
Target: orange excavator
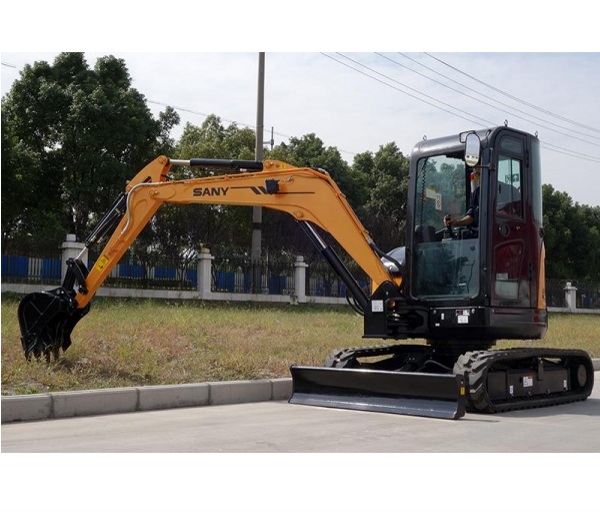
{"x": 461, "y": 285}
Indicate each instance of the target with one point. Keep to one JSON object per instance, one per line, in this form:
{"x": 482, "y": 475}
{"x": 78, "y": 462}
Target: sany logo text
{"x": 215, "y": 191}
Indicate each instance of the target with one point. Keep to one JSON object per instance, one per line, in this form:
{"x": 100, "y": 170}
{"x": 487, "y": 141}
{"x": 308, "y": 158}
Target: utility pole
{"x": 257, "y": 210}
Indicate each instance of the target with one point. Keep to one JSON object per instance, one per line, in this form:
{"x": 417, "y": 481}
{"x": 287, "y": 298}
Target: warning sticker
{"x": 102, "y": 262}
{"x": 527, "y": 381}
{"x": 377, "y": 306}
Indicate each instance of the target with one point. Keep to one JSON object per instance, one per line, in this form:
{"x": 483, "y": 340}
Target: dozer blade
{"x": 46, "y": 320}
{"x": 414, "y": 394}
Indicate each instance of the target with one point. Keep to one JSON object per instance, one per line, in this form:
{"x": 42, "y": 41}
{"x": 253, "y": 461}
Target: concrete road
{"x": 276, "y": 426}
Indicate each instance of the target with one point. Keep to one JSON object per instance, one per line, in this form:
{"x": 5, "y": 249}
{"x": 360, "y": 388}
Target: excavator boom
{"x": 308, "y": 195}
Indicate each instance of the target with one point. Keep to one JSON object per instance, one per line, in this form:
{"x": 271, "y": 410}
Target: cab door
{"x": 510, "y": 254}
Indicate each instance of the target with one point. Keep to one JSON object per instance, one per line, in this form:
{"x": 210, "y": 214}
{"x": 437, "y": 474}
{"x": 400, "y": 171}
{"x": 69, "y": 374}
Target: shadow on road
{"x": 589, "y": 407}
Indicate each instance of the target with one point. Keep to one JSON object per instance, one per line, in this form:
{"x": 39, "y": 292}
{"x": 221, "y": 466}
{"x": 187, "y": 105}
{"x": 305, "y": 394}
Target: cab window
{"x": 509, "y": 188}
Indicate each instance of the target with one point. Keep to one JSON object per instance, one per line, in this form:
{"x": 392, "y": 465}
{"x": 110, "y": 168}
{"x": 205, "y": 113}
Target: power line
{"x": 245, "y": 125}
{"x": 404, "y": 92}
{"x": 198, "y": 113}
{"x": 550, "y": 146}
{"x": 513, "y": 97}
{"x": 566, "y": 151}
{"x": 485, "y": 96}
{"x": 556, "y": 148}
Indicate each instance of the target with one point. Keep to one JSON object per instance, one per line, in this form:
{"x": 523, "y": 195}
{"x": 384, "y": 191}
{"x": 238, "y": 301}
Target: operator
{"x": 471, "y": 218}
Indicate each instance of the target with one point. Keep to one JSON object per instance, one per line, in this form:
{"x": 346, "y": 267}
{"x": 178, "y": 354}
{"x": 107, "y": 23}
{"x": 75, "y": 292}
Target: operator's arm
{"x": 467, "y": 220}
{"x": 470, "y": 217}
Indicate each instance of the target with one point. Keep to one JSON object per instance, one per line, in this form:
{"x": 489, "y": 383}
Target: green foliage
{"x": 73, "y": 136}
{"x": 28, "y": 219}
{"x": 572, "y": 237}
{"x": 384, "y": 177}
{"x": 310, "y": 151}
{"x": 213, "y": 140}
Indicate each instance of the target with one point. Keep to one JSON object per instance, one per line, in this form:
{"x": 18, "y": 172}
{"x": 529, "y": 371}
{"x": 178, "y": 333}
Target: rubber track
{"x": 475, "y": 365}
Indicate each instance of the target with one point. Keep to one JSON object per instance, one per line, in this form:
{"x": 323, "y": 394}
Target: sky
{"x": 359, "y": 101}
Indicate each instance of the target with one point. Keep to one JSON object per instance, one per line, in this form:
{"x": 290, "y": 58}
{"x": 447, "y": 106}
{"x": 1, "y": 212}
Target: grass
{"x": 123, "y": 343}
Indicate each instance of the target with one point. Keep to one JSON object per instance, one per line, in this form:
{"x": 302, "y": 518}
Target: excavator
{"x": 460, "y": 288}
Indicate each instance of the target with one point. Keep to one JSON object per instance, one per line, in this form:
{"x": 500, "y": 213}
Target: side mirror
{"x": 472, "y": 149}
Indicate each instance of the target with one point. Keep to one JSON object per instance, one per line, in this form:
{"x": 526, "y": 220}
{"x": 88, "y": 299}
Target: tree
{"x": 213, "y": 140}
{"x": 75, "y": 135}
{"x": 385, "y": 175}
{"x": 179, "y": 230}
{"x": 572, "y": 237}
{"x": 29, "y": 222}
{"x": 310, "y": 151}
{"x": 586, "y": 242}
{"x": 558, "y": 214}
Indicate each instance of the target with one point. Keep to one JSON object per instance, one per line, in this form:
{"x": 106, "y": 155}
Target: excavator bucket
{"x": 46, "y": 320}
{"x": 414, "y": 394}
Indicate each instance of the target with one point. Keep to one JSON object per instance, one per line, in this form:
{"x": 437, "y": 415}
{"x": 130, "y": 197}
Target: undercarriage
{"x": 425, "y": 381}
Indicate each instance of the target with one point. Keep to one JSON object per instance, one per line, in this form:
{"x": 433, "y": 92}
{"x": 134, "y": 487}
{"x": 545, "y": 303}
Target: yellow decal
{"x": 102, "y": 262}
{"x": 462, "y": 391}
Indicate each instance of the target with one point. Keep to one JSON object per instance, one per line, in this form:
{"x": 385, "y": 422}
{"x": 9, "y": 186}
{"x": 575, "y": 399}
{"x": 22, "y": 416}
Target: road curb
{"x": 35, "y": 407}
{"x": 134, "y": 399}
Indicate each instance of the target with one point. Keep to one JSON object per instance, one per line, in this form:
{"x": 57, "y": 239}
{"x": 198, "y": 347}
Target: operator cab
{"x": 445, "y": 259}
{"x": 494, "y": 265}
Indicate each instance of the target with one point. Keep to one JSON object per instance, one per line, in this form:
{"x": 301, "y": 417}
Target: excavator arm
{"x": 310, "y": 196}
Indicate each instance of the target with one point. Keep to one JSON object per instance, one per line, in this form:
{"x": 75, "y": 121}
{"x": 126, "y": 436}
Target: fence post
{"x": 300, "y": 280}
{"x": 571, "y": 296}
{"x": 70, "y": 249}
{"x": 205, "y": 273}
{"x": 238, "y": 281}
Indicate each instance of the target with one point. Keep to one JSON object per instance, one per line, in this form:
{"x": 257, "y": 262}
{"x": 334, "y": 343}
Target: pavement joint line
{"x": 66, "y": 404}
